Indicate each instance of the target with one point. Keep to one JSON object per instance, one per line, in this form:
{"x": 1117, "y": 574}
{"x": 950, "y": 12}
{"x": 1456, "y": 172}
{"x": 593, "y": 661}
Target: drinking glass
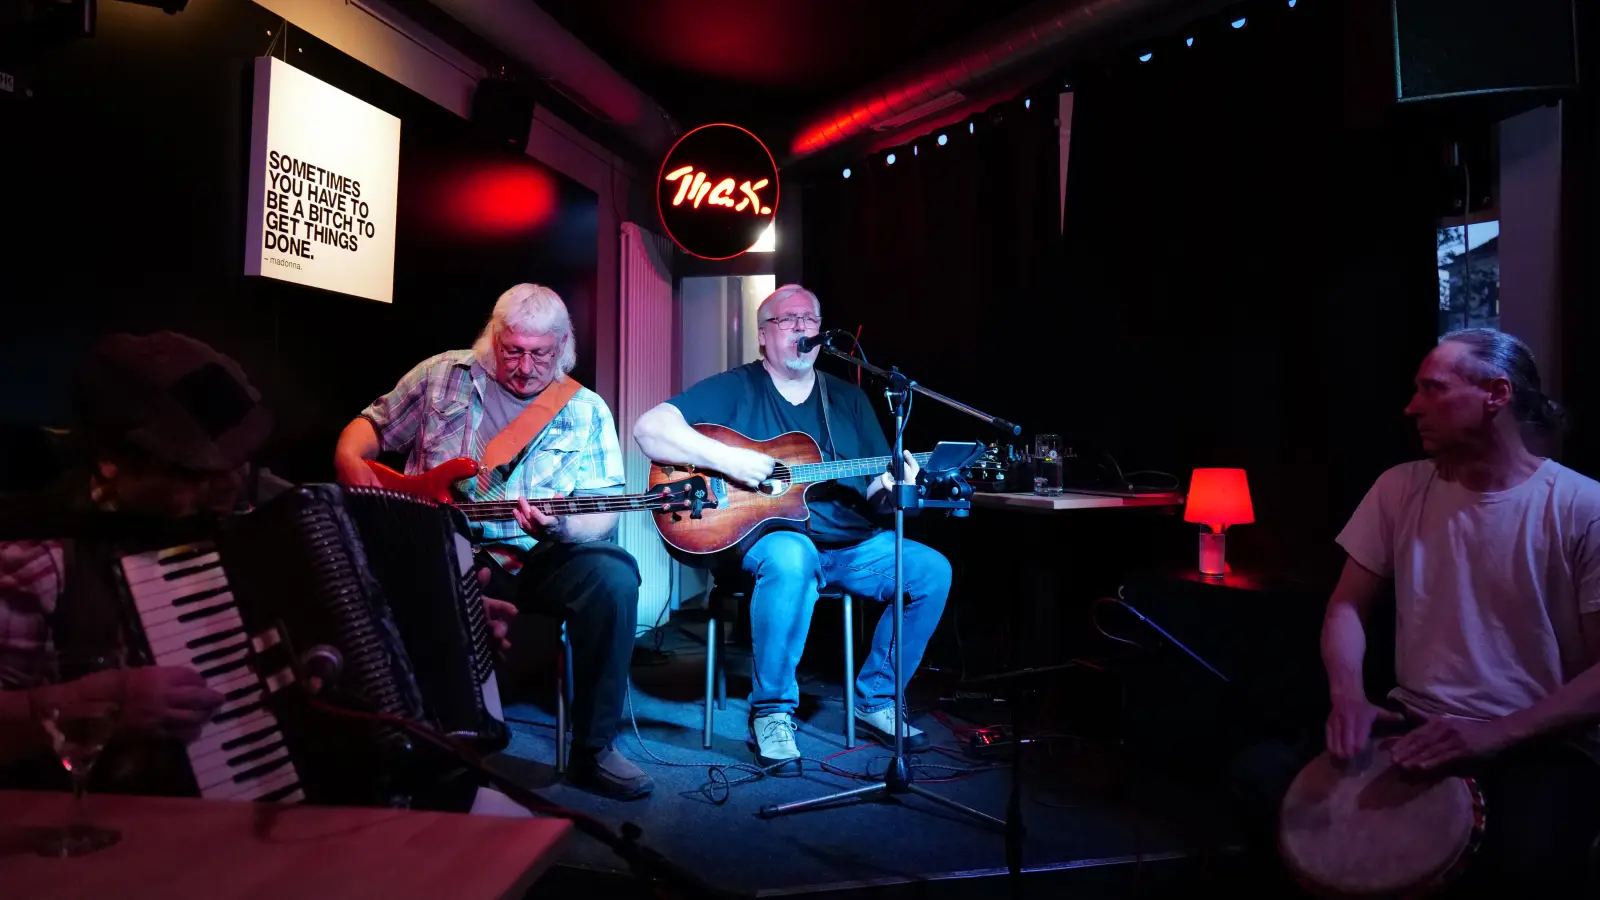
{"x": 78, "y": 723}
{"x": 1047, "y": 452}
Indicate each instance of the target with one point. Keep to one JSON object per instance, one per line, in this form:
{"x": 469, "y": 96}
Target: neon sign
{"x": 717, "y": 191}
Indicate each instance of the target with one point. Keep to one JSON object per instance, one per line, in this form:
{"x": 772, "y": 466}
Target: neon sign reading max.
{"x": 717, "y": 191}
{"x": 721, "y": 195}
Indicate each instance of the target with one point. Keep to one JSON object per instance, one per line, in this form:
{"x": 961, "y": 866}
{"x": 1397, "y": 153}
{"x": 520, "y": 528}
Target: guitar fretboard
{"x": 844, "y": 468}
{"x": 501, "y": 510}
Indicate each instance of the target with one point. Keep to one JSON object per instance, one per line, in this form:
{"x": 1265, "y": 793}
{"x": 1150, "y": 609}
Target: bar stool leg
{"x": 563, "y": 684}
{"x": 849, "y": 672}
{"x": 711, "y": 668}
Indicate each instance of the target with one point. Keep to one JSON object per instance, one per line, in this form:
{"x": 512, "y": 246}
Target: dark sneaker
{"x": 772, "y": 738}
{"x": 880, "y": 727}
{"x": 609, "y": 774}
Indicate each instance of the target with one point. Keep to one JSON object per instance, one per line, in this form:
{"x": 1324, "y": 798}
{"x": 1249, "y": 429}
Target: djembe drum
{"x": 1369, "y": 828}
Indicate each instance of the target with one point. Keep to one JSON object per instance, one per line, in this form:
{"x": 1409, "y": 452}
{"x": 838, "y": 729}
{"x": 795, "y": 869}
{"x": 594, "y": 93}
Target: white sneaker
{"x": 772, "y": 738}
{"x": 880, "y": 727}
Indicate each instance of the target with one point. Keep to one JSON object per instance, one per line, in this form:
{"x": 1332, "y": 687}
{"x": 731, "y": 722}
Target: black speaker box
{"x": 504, "y": 109}
{"x": 1483, "y": 48}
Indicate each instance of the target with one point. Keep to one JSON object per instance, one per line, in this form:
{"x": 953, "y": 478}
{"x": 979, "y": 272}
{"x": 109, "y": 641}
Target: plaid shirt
{"x": 433, "y": 415}
{"x": 30, "y": 584}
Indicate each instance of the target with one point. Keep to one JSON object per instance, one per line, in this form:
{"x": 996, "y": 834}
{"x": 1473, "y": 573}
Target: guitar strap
{"x": 513, "y": 438}
{"x": 827, "y": 424}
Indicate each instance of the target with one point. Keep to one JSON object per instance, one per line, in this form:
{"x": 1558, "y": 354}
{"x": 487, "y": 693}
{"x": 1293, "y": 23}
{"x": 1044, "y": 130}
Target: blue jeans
{"x": 789, "y": 570}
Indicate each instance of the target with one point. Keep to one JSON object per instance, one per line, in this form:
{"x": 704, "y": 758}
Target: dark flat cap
{"x": 173, "y": 397}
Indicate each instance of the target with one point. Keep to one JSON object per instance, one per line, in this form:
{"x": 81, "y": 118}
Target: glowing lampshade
{"x": 1219, "y": 498}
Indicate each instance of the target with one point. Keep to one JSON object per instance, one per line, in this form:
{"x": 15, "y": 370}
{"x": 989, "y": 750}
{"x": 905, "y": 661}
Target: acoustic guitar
{"x": 435, "y": 484}
{"x": 730, "y": 513}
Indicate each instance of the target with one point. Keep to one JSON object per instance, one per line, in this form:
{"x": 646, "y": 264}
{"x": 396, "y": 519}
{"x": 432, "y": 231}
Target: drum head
{"x": 1369, "y": 828}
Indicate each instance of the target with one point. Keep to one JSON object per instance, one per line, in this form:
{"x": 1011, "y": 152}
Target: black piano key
{"x": 213, "y": 638}
{"x": 185, "y": 556}
{"x": 279, "y": 794}
{"x": 220, "y": 652}
{"x": 202, "y": 613}
{"x": 247, "y": 738}
{"x": 257, "y": 753}
{"x": 192, "y": 570}
{"x": 242, "y": 711}
{"x": 237, "y": 693}
{"x": 258, "y": 771}
{"x": 214, "y": 671}
{"x": 201, "y": 595}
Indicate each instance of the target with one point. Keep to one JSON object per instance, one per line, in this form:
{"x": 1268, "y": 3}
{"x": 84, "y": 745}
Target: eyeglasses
{"x": 789, "y": 323}
{"x": 515, "y": 355}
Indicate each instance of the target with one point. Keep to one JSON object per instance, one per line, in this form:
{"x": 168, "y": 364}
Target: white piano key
{"x": 158, "y": 633}
{"x": 175, "y": 640}
{"x": 215, "y": 734}
{"x": 164, "y": 583}
{"x": 156, "y": 598}
{"x": 218, "y": 774}
{"x": 228, "y": 787}
{"x": 206, "y": 767}
{"x": 186, "y": 616}
{"x": 231, "y": 705}
{"x": 234, "y": 655}
{"x": 139, "y": 568}
{"x": 298, "y": 796}
{"x": 232, "y": 681}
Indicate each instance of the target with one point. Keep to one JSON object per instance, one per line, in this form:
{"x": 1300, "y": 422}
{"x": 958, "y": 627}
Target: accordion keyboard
{"x": 189, "y": 618}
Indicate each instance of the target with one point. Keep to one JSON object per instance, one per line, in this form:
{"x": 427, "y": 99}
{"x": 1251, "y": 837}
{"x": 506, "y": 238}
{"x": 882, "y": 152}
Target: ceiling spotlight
{"x": 1027, "y": 103}
{"x": 891, "y": 159}
{"x": 1188, "y": 42}
{"x": 913, "y": 149}
{"x": 972, "y": 127}
{"x": 1146, "y": 57}
{"x": 1292, "y": 3}
{"x": 847, "y": 173}
{"x": 1238, "y": 23}
{"x": 943, "y": 140}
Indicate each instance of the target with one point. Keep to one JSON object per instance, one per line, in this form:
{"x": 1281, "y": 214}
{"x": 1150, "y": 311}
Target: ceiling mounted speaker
{"x": 1476, "y": 48}
{"x": 504, "y": 109}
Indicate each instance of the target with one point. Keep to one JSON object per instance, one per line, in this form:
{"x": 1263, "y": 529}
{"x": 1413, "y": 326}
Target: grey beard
{"x": 801, "y": 363}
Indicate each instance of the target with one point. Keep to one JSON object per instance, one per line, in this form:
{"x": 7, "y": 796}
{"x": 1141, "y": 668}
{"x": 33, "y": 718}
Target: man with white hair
{"x": 842, "y": 544}
{"x": 485, "y": 404}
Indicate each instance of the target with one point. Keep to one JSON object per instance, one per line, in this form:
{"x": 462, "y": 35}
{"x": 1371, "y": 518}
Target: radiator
{"x": 646, "y": 380}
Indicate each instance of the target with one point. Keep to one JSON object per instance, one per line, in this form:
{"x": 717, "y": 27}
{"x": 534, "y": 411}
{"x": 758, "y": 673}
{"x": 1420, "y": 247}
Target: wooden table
{"x": 184, "y": 849}
{"x": 1033, "y": 503}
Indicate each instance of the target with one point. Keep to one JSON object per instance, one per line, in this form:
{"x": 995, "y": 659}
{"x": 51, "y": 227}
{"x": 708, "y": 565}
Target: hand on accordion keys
{"x": 160, "y": 701}
{"x": 500, "y": 612}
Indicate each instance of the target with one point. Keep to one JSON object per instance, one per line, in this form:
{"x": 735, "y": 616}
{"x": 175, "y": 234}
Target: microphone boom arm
{"x": 1005, "y": 426}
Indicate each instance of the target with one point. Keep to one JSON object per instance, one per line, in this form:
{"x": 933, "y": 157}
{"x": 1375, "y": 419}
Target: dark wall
{"x": 1245, "y": 278}
{"x": 125, "y": 175}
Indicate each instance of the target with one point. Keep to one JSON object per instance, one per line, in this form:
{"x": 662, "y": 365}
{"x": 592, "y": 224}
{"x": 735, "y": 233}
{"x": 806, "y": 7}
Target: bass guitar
{"x": 731, "y": 513}
{"x": 435, "y": 484}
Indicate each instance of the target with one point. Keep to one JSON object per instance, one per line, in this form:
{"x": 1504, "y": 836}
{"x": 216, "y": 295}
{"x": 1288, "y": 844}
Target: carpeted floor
{"x": 1088, "y": 812}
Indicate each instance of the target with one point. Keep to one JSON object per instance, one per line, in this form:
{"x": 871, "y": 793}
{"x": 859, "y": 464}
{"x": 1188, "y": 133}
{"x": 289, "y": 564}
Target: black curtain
{"x": 1245, "y": 275}
{"x": 944, "y": 261}
{"x": 1580, "y": 254}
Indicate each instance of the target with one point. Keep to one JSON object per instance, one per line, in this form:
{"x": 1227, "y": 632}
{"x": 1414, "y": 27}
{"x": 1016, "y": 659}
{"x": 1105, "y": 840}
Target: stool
{"x": 722, "y": 599}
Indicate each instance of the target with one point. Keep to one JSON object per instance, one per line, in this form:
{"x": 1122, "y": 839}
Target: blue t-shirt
{"x": 746, "y": 400}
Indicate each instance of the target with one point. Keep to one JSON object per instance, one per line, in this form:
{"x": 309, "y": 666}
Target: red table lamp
{"x": 1217, "y": 498}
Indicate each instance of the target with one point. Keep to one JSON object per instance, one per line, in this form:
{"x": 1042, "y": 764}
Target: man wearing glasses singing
{"x": 485, "y": 404}
{"x": 843, "y": 544}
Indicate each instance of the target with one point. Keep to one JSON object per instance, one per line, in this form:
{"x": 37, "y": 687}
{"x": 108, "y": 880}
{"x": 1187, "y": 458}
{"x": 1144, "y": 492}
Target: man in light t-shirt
{"x": 1494, "y": 554}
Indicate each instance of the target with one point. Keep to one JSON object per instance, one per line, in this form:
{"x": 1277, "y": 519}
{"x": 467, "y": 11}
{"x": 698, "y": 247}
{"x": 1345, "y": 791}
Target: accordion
{"x": 375, "y": 584}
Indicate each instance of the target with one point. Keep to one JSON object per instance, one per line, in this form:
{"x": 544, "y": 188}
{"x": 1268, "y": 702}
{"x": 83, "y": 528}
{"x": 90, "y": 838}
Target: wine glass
{"x": 78, "y": 720}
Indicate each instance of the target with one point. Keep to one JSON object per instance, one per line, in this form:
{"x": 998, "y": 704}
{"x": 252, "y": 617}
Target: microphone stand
{"x": 898, "y": 779}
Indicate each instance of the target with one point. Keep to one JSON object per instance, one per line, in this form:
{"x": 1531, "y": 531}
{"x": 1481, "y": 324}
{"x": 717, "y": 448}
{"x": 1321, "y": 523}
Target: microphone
{"x": 821, "y": 337}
